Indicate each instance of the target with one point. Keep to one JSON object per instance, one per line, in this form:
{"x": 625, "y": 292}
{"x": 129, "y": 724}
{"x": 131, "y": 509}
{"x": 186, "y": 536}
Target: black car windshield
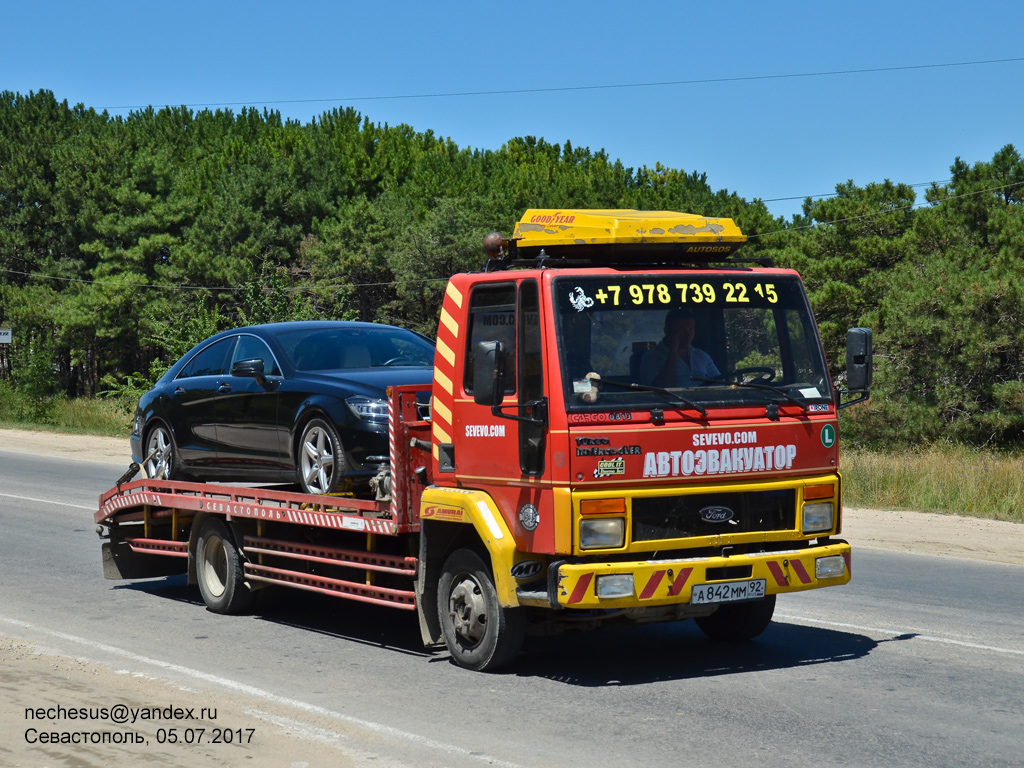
{"x": 665, "y": 340}
{"x": 333, "y": 349}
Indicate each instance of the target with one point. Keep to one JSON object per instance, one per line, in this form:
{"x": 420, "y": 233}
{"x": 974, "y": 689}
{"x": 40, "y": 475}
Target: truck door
{"x": 491, "y": 446}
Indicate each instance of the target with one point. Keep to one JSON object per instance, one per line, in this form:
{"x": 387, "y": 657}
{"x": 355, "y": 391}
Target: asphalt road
{"x": 918, "y": 661}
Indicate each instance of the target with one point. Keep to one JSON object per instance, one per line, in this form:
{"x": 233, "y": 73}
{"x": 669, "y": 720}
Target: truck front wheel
{"x": 738, "y": 621}
{"x": 480, "y": 634}
{"x": 219, "y": 569}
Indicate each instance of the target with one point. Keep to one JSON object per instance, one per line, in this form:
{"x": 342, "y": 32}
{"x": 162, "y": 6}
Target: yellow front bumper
{"x": 670, "y": 582}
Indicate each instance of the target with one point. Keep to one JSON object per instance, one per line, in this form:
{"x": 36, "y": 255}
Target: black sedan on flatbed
{"x": 284, "y": 402}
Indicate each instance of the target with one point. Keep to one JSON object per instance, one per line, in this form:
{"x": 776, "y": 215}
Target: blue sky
{"x": 772, "y": 137}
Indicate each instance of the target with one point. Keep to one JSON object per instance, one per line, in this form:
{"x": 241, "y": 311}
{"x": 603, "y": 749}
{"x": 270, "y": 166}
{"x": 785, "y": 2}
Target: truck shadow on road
{"x": 371, "y": 625}
{"x": 679, "y": 651}
{"x": 620, "y": 656}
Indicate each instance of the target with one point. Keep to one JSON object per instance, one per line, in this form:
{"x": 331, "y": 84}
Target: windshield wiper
{"x": 658, "y": 390}
{"x": 752, "y": 385}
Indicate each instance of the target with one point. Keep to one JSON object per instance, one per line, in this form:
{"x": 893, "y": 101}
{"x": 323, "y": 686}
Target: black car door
{"x": 193, "y": 407}
{"x": 248, "y": 430}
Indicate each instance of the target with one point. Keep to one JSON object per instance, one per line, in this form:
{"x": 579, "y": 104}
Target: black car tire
{"x": 160, "y": 454}
{"x": 320, "y": 458}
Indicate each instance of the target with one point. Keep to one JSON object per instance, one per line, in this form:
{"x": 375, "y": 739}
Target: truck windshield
{"x": 665, "y": 340}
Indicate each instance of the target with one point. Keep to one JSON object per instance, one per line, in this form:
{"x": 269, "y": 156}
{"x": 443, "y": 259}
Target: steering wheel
{"x": 399, "y": 359}
{"x": 765, "y": 375}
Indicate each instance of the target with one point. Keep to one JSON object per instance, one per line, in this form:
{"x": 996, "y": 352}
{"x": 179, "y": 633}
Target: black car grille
{"x": 680, "y": 517}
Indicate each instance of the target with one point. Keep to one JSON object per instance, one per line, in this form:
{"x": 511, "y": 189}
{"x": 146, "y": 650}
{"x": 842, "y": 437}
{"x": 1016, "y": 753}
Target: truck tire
{"x": 219, "y": 569}
{"x": 480, "y": 634}
{"x": 736, "y": 622}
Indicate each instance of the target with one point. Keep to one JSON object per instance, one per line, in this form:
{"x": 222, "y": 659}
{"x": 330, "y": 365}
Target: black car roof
{"x": 270, "y": 330}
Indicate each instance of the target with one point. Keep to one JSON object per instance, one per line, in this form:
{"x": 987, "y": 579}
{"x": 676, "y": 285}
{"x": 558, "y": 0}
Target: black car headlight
{"x": 372, "y": 409}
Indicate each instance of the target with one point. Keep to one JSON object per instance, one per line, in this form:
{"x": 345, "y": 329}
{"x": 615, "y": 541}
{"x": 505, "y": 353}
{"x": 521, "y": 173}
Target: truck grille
{"x": 710, "y": 514}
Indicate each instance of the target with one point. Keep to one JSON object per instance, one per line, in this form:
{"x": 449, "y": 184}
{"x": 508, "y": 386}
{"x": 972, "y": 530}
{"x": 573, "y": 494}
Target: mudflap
{"x": 120, "y": 562}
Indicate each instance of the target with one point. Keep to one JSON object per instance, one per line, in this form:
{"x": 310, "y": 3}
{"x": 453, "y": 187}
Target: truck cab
{"x": 612, "y": 469}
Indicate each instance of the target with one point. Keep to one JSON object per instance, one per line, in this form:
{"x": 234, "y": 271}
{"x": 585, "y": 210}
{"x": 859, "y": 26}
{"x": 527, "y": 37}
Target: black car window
{"x": 210, "y": 361}
{"x": 352, "y": 348}
{"x": 252, "y": 348}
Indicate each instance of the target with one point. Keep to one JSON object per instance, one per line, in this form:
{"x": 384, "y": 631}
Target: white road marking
{"x": 249, "y": 690}
{"x": 47, "y": 501}
{"x": 322, "y": 735}
{"x": 901, "y": 632}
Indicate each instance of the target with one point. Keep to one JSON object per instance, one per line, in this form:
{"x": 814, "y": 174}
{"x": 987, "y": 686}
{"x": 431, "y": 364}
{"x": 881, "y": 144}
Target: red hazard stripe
{"x": 780, "y": 577}
{"x": 847, "y": 556}
{"x": 652, "y": 585}
{"x": 581, "y": 588}
{"x": 680, "y": 582}
{"x": 801, "y": 572}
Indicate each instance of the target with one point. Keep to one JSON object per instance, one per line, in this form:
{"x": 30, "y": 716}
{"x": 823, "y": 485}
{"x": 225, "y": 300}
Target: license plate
{"x": 728, "y": 592}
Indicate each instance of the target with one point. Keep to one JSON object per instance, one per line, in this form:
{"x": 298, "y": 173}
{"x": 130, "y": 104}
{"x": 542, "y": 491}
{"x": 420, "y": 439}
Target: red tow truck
{"x": 627, "y": 423}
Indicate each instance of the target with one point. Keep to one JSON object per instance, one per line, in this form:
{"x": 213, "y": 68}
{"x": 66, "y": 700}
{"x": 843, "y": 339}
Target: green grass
{"x": 951, "y": 480}
{"x": 85, "y": 415}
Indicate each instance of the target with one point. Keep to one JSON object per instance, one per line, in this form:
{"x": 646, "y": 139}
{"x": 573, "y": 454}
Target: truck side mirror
{"x": 489, "y": 373}
{"x": 858, "y": 359}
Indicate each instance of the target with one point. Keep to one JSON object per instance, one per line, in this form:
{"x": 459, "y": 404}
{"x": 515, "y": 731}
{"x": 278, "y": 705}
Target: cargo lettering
{"x": 761, "y": 458}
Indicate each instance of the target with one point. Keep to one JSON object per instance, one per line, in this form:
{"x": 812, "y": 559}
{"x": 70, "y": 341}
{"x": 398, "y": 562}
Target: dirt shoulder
{"x": 894, "y": 530}
{"x": 60, "y": 710}
{"x": 107, "y": 450}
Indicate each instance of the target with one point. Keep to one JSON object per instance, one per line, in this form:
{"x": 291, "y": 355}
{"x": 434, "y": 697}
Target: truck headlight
{"x": 604, "y": 533}
{"x": 615, "y": 585}
{"x": 818, "y": 517}
{"x": 831, "y": 567}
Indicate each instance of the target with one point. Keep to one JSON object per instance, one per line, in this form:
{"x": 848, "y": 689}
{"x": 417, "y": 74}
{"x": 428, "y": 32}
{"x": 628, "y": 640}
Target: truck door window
{"x": 492, "y": 317}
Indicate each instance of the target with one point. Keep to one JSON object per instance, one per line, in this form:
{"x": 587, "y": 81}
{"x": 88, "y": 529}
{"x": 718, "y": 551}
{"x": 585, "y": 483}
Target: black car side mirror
{"x": 253, "y": 368}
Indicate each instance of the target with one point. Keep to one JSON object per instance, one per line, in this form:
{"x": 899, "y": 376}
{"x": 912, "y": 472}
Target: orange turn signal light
{"x": 819, "y": 491}
{"x": 603, "y": 507}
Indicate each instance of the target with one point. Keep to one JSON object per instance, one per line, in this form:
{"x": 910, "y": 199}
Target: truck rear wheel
{"x": 738, "y": 621}
{"x": 480, "y": 634}
{"x": 219, "y": 569}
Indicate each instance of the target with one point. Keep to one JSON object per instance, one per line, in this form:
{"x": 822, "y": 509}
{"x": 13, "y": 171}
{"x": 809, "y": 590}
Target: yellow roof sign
{"x": 551, "y": 227}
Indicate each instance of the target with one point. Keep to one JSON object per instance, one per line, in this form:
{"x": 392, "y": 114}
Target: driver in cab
{"x": 674, "y": 362}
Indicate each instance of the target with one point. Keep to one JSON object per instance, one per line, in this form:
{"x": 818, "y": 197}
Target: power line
{"x": 834, "y": 194}
{"x": 563, "y": 89}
